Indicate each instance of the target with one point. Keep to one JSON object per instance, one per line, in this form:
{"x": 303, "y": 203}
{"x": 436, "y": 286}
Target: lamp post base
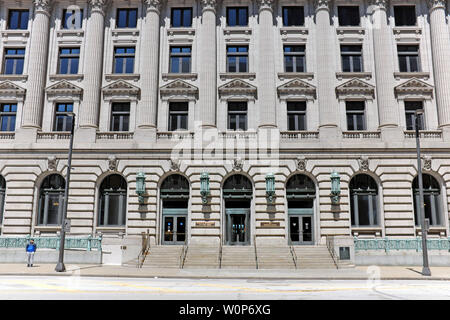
{"x": 60, "y": 267}
{"x": 426, "y": 271}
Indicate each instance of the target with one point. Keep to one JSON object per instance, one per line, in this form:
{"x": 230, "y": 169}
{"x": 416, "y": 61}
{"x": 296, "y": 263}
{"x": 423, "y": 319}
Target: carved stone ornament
{"x": 52, "y": 163}
{"x": 238, "y": 164}
{"x": 435, "y": 4}
{"x": 266, "y": 5}
{"x": 209, "y": 5}
{"x": 426, "y": 162}
{"x": 112, "y": 163}
{"x": 322, "y": 4}
{"x": 43, "y": 5}
{"x": 382, "y": 4}
{"x": 364, "y": 163}
{"x": 175, "y": 164}
{"x": 301, "y": 163}
{"x": 155, "y": 5}
{"x": 98, "y": 5}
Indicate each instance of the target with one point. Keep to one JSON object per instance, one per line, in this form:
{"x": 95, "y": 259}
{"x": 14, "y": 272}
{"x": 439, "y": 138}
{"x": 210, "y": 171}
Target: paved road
{"x": 87, "y": 288}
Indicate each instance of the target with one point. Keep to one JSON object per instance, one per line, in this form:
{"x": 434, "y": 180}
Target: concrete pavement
{"x": 360, "y": 272}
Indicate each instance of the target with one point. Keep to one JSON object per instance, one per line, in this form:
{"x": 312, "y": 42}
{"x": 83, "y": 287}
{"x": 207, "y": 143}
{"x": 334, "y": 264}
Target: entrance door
{"x": 237, "y": 226}
{"x": 174, "y": 228}
{"x": 300, "y": 229}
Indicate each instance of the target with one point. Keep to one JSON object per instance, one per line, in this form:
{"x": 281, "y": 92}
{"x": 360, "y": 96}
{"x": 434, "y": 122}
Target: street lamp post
{"x": 426, "y": 269}
{"x": 60, "y": 267}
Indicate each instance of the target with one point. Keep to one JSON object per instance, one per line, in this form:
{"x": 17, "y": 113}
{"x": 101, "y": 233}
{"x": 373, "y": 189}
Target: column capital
{"x": 98, "y": 5}
{"x": 436, "y": 4}
{"x": 380, "y": 4}
{"x": 154, "y": 5}
{"x": 43, "y": 6}
{"x": 209, "y": 5}
{"x": 322, "y": 5}
{"x": 266, "y": 5}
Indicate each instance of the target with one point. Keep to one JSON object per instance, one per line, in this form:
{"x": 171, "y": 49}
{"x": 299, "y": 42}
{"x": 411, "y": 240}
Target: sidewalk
{"x": 357, "y": 273}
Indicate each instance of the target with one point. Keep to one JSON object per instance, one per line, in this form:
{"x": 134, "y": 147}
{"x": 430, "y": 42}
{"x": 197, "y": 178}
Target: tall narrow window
{"x": 13, "y": 63}
{"x": 178, "y": 116}
{"x": 120, "y": 116}
{"x": 410, "y": 115}
{"x": 348, "y": 16}
{"x": 63, "y": 117}
{"x": 363, "y": 201}
{"x": 405, "y": 15}
{"x": 113, "y": 201}
{"x": 2, "y": 197}
{"x": 8, "y": 116}
{"x": 180, "y": 60}
{"x": 431, "y": 200}
{"x": 408, "y": 58}
{"x": 351, "y": 58}
{"x": 126, "y": 18}
{"x": 355, "y": 115}
{"x": 68, "y": 60}
{"x": 293, "y": 16}
{"x": 124, "y": 60}
{"x": 296, "y": 112}
{"x": 72, "y": 19}
{"x": 181, "y": 17}
{"x": 51, "y": 200}
{"x": 237, "y": 59}
{"x": 294, "y": 59}
{"x": 18, "y": 19}
{"x": 237, "y": 16}
{"x": 237, "y": 116}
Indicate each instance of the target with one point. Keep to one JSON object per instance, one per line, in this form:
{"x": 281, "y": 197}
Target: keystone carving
{"x": 364, "y": 163}
{"x": 238, "y": 164}
{"x": 175, "y": 164}
{"x": 427, "y": 163}
{"x": 301, "y": 163}
{"x": 112, "y": 163}
{"x": 52, "y": 163}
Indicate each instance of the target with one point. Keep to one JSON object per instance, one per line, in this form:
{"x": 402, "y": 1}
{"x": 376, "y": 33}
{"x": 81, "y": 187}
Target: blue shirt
{"x": 31, "y": 247}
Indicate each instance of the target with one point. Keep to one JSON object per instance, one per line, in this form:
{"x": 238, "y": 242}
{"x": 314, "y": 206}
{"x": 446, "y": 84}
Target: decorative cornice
{"x": 297, "y": 87}
{"x": 64, "y": 87}
{"x": 210, "y": 5}
{"x": 121, "y": 87}
{"x": 43, "y": 6}
{"x": 266, "y": 5}
{"x": 356, "y": 87}
{"x": 98, "y": 5}
{"x": 237, "y": 87}
{"x": 414, "y": 86}
{"x": 8, "y": 88}
{"x": 154, "y": 5}
{"x": 179, "y": 87}
{"x": 322, "y": 5}
{"x": 436, "y": 4}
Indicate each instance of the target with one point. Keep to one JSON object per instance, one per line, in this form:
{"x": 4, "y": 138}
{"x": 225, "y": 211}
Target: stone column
{"x": 148, "y": 106}
{"x": 384, "y": 73}
{"x": 440, "y": 48}
{"x": 90, "y": 108}
{"x": 266, "y": 66}
{"x": 208, "y": 64}
{"x": 326, "y": 71}
{"x": 37, "y": 61}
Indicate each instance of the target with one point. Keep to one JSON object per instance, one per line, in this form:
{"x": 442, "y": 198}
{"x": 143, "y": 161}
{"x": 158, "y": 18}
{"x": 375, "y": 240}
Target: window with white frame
{"x": 181, "y": 17}
{"x": 178, "y": 115}
{"x": 405, "y": 15}
{"x": 63, "y": 117}
{"x": 355, "y": 111}
{"x": 351, "y": 56}
{"x": 18, "y": 19}
{"x": 124, "y": 59}
{"x": 126, "y": 18}
{"x": 237, "y": 59}
{"x": 69, "y": 59}
{"x": 363, "y": 201}
{"x": 120, "y": 116}
{"x": 293, "y": 16}
{"x": 348, "y": 16}
{"x": 13, "y": 61}
{"x": 237, "y": 115}
{"x": 410, "y": 115}
{"x": 294, "y": 58}
{"x": 431, "y": 200}
{"x": 8, "y": 113}
{"x": 180, "y": 60}
{"x": 296, "y": 114}
{"x": 408, "y": 58}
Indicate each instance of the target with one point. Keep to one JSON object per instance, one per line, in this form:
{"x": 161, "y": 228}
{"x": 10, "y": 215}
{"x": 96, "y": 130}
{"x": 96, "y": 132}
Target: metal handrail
{"x": 256, "y": 252}
{"x": 294, "y": 255}
{"x": 183, "y": 254}
{"x": 144, "y": 250}
{"x": 220, "y": 251}
{"x": 330, "y": 246}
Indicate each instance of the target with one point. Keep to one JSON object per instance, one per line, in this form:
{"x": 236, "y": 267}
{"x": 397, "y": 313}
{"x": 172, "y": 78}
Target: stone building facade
{"x": 251, "y": 88}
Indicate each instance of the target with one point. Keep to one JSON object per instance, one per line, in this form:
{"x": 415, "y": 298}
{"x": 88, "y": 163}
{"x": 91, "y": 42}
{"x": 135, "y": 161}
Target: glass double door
{"x": 301, "y": 229}
{"x": 238, "y": 231}
{"x": 174, "y": 226}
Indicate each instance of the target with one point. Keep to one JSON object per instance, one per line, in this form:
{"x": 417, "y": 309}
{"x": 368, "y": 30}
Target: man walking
{"x": 31, "y": 249}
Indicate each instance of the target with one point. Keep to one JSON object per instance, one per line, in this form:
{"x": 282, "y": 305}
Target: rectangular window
{"x": 18, "y": 19}
{"x": 126, "y": 18}
{"x": 14, "y": 59}
{"x": 355, "y": 115}
{"x": 72, "y": 19}
{"x": 180, "y": 60}
{"x": 405, "y": 15}
{"x": 68, "y": 60}
{"x": 410, "y": 115}
{"x": 178, "y": 116}
{"x": 181, "y": 17}
{"x": 120, "y": 116}
{"x": 237, "y": 16}
{"x": 348, "y": 16}
{"x": 63, "y": 117}
{"x": 293, "y": 16}
{"x": 8, "y": 116}
{"x": 237, "y": 59}
{"x": 296, "y": 112}
{"x": 237, "y": 116}
{"x": 294, "y": 59}
{"x": 351, "y": 58}
{"x": 124, "y": 60}
{"x": 408, "y": 58}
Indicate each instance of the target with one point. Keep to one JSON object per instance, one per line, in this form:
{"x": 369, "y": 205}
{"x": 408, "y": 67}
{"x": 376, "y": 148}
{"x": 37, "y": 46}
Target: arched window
{"x": 431, "y": 195}
{"x": 2, "y": 197}
{"x": 51, "y": 200}
{"x": 364, "y": 201}
{"x": 113, "y": 201}
{"x": 237, "y": 186}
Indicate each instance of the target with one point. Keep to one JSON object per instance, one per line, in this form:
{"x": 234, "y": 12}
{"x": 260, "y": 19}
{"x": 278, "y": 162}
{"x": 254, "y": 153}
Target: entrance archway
{"x": 300, "y": 194}
{"x": 237, "y": 195}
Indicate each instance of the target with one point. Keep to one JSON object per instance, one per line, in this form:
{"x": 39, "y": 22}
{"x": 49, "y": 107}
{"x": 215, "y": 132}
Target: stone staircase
{"x": 238, "y": 257}
{"x": 202, "y": 256}
{"x": 163, "y": 257}
{"x": 313, "y": 257}
{"x": 279, "y": 257}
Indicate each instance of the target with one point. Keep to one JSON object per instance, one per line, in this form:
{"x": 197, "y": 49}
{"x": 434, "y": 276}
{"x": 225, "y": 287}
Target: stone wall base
{"x": 441, "y": 259}
{"x": 51, "y": 256}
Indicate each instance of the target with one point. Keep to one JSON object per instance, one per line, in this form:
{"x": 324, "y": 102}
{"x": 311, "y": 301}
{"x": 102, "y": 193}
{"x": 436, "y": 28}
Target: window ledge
{"x": 172, "y": 31}
{"x": 122, "y": 76}
{"x": 125, "y": 32}
{"x": 115, "y": 135}
{"x": 294, "y": 30}
{"x": 237, "y": 75}
{"x": 70, "y": 33}
{"x": 185, "y": 76}
{"x": 434, "y": 231}
{"x": 111, "y": 229}
{"x": 359, "y": 75}
{"x": 47, "y": 228}
{"x": 408, "y": 75}
{"x": 367, "y": 231}
{"x": 14, "y": 77}
{"x": 292, "y": 75}
{"x": 58, "y": 77}
{"x": 350, "y": 30}
{"x": 407, "y": 30}
{"x": 237, "y": 30}
{"x": 15, "y": 33}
